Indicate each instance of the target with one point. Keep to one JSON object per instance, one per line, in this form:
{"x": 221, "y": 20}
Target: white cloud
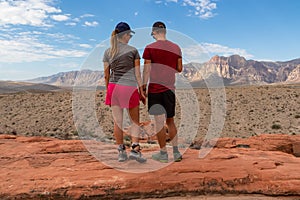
{"x": 225, "y": 51}
{"x": 136, "y": 13}
{"x": 71, "y": 24}
{"x": 76, "y": 19}
{"x": 102, "y": 45}
{"x": 60, "y": 37}
{"x": 27, "y": 47}
{"x": 203, "y": 52}
{"x": 79, "y": 19}
{"x": 60, "y": 17}
{"x": 85, "y": 46}
{"x": 91, "y": 24}
{"x": 68, "y": 65}
{"x": 86, "y": 23}
{"x": 207, "y": 15}
{"x": 29, "y": 12}
{"x": 86, "y": 15}
{"x": 201, "y": 8}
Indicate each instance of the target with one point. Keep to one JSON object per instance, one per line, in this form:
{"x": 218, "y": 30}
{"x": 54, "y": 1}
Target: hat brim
{"x": 131, "y": 31}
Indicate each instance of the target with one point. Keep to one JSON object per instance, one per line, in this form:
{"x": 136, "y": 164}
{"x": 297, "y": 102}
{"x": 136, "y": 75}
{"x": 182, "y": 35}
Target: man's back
{"x": 164, "y": 57}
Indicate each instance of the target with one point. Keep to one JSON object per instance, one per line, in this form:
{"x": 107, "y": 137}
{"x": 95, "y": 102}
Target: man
{"x": 163, "y": 59}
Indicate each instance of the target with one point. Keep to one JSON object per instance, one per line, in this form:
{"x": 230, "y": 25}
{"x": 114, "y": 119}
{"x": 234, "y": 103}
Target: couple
{"x": 125, "y": 88}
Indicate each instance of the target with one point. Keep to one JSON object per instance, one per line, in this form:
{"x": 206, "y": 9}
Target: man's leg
{"x": 174, "y": 138}
{"x": 172, "y": 131}
{"x": 160, "y": 131}
{"x": 158, "y": 111}
{"x": 162, "y": 156}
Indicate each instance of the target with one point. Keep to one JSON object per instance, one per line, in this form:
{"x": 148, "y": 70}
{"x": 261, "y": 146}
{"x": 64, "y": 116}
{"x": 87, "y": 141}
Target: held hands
{"x": 143, "y": 94}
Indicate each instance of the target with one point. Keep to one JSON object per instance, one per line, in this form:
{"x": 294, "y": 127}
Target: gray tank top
{"x": 122, "y": 65}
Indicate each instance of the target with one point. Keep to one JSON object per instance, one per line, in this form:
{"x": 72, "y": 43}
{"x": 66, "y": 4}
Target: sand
{"x": 250, "y": 110}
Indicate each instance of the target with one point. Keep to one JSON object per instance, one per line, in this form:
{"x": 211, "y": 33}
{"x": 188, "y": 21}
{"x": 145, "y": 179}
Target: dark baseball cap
{"x": 122, "y": 27}
{"x": 158, "y": 26}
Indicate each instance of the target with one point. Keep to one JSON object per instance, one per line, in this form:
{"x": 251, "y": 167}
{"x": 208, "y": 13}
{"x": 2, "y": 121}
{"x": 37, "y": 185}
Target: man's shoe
{"x": 122, "y": 155}
{"x": 177, "y": 156}
{"x": 136, "y": 155}
{"x": 161, "y": 157}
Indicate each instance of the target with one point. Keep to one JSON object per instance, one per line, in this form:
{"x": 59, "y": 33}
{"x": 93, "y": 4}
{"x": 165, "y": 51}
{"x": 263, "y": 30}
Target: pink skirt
{"x": 122, "y": 96}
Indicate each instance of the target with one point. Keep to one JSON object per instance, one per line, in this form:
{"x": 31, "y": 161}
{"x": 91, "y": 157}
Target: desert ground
{"x": 45, "y": 166}
{"x": 248, "y": 111}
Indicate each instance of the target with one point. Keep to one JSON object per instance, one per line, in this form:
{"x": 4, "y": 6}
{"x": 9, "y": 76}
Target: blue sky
{"x": 44, "y": 37}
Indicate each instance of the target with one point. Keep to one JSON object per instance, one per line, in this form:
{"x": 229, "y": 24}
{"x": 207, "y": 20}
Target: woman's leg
{"x": 135, "y": 153}
{"x": 118, "y": 132}
{"x": 135, "y": 123}
{"x": 117, "y": 113}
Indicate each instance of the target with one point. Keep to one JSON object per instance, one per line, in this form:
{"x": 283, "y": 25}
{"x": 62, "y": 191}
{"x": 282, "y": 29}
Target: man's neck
{"x": 161, "y": 38}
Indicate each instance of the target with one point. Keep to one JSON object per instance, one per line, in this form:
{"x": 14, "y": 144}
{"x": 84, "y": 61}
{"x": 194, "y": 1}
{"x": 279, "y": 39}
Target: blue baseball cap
{"x": 122, "y": 27}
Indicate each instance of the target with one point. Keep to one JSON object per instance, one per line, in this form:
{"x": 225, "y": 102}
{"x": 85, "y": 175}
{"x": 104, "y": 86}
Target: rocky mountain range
{"x": 234, "y": 70}
{"x": 68, "y": 79}
{"x": 15, "y": 87}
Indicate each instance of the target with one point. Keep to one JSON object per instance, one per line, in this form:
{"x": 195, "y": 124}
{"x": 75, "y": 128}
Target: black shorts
{"x": 162, "y": 103}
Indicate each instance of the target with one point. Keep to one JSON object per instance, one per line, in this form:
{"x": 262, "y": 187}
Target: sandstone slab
{"x": 47, "y": 168}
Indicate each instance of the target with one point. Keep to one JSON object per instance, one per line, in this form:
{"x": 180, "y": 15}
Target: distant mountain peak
{"x": 233, "y": 59}
{"x": 85, "y": 77}
{"x": 234, "y": 69}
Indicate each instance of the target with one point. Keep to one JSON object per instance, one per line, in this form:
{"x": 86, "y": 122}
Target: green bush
{"x": 276, "y": 126}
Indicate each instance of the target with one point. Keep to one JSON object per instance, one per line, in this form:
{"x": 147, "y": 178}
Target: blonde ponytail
{"x": 113, "y": 44}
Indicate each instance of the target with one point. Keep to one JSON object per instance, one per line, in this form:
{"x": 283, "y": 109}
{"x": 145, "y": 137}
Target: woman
{"x": 122, "y": 76}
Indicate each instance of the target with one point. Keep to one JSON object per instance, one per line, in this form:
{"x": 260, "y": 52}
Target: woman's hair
{"x": 113, "y": 44}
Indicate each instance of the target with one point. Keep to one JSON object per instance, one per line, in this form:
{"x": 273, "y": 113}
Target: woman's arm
{"x": 106, "y": 73}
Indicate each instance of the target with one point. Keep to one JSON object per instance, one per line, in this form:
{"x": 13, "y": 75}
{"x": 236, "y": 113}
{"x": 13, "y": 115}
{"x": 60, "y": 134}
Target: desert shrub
{"x": 276, "y": 126}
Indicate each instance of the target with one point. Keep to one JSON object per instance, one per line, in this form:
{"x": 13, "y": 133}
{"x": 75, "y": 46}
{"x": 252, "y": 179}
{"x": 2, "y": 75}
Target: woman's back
{"x": 122, "y": 64}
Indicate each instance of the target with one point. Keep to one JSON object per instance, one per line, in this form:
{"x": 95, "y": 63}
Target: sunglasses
{"x": 153, "y": 34}
{"x": 130, "y": 35}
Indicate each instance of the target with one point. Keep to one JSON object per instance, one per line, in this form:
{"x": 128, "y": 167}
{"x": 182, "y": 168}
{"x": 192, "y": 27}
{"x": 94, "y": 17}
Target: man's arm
{"x": 139, "y": 80}
{"x": 138, "y": 72}
{"x": 146, "y": 73}
{"x": 106, "y": 73}
{"x": 179, "y": 65}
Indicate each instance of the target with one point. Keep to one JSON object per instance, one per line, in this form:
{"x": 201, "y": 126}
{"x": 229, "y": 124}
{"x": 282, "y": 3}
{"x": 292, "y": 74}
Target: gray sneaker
{"x": 177, "y": 156}
{"x": 136, "y": 155}
{"x": 122, "y": 155}
{"x": 160, "y": 157}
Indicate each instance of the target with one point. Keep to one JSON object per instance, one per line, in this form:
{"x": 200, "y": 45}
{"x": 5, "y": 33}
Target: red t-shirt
{"x": 164, "y": 57}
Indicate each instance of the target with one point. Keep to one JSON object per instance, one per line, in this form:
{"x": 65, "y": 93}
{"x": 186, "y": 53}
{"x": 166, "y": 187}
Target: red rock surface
{"x": 36, "y": 168}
